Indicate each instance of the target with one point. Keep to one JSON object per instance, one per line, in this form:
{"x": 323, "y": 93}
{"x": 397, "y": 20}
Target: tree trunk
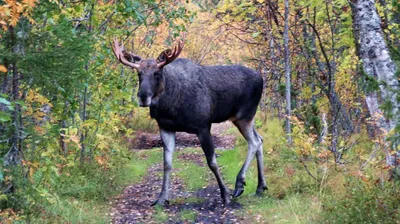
{"x": 84, "y": 131}
{"x": 4, "y": 84}
{"x": 287, "y": 72}
{"x": 85, "y": 95}
{"x": 13, "y": 156}
{"x": 374, "y": 53}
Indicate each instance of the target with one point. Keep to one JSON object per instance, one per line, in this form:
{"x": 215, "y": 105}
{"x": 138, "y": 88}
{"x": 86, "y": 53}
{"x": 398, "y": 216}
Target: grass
{"x": 186, "y": 170}
{"x": 295, "y": 208}
{"x": 160, "y": 215}
{"x": 137, "y": 168}
{"x": 85, "y": 197}
{"x": 68, "y": 210}
{"x": 187, "y": 215}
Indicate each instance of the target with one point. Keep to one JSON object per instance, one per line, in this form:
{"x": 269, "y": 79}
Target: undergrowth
{"x": 306, "y": 186}
{"x": 78, "y": 194}
{"x": 363, "y": 202}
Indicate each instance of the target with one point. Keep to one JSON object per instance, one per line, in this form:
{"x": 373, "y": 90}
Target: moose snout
{"x": 144, "y": 98}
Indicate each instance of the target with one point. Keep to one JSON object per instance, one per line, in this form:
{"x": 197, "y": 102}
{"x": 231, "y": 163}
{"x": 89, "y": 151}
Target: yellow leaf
{"x": 31, "y": 3}
{"x": 31, "y": 171}
{"x": 100, "y": 160}
{"x": 3, "y": 68}
{"x": 75, "y": 139}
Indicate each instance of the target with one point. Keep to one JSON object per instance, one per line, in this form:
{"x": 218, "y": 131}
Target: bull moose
{"x": 187, "y": 97}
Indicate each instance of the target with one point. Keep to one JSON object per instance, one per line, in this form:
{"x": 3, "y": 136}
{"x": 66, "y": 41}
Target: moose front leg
{"x": 168, "y": 139}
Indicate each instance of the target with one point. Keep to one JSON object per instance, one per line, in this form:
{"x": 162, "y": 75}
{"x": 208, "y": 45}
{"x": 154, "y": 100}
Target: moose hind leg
{"x": 262, "y": 184}
{"x": 168, "y": 139}
{"x": 254, "y": 148}
{"x": 207, "y": 145}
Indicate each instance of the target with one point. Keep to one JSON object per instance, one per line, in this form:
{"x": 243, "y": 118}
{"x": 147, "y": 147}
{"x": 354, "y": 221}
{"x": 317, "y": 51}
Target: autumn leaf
{"x": 100, "y": 160}
{"x": 3, "y": 68}
{"x": 75, "y": 139}
{"x": 30, "y": 3}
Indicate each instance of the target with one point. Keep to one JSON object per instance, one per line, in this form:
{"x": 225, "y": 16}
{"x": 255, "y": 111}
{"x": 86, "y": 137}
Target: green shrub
{"x": 76, "y": 194}
{"x": 141, "y": 121}
{"x": 363, "y": 202}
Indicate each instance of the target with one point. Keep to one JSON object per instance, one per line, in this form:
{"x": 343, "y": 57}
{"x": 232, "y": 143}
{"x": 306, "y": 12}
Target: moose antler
{"x": 169, "y": 55}
{"x": 124, "y": 56}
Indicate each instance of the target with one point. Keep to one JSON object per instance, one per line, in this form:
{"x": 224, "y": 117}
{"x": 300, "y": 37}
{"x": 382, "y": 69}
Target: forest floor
{"x": 222, "y": 140}
{"x": 186, "y": 205}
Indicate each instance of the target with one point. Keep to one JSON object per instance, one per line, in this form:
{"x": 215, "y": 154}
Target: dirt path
{"x": 222, "y": 140}
{"x": 200, "y": 206}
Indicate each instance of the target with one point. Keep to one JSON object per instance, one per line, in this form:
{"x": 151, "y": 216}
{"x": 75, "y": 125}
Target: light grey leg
{"x": 262, "y": 184}
{"x": 254, "y": 141}
{"x": 168, "y": 139}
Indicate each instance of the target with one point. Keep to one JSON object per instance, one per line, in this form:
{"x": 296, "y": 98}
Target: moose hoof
{"x": 237, "y": 192}
{"x": 160, "y": 202}
{"x": 226, "y": 201}
{"x": 260, "y": 190}
{"x": 239, "y": 188}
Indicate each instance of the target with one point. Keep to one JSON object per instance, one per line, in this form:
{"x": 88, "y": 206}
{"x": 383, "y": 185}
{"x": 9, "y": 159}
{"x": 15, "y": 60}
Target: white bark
{"x": 375, "y": 111}
{"x": 324, "y": 131}
{"x": 376, "y": 60}
{"x": 377, "y": 63}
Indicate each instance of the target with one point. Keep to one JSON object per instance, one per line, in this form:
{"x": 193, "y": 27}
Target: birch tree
{"x": 377, "y": 64}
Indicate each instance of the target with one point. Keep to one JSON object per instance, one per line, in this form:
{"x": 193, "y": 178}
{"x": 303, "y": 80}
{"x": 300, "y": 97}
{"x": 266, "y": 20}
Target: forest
{"x": 75, "y": 147}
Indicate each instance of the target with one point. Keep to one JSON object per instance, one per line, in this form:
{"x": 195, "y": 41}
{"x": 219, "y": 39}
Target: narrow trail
{"x": 204, "y": 205}
{"x": 144, "y": 140}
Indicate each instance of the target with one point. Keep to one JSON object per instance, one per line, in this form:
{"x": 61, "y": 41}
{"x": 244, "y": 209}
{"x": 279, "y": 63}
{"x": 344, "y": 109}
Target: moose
{"x": 187, "y": 97}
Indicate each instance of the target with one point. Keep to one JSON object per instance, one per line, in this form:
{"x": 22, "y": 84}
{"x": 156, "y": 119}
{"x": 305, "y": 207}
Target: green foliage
{"x": 141, "y": 121}
{"x": 84, "y": 190}
{"x": 5, "y": 116}
{"x": 370, "y": 84}
{"x": 363, "y": 202}
{"x": 312, "y": 122}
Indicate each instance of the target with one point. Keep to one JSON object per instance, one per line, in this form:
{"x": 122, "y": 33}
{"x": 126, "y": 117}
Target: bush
{"x": 141, "y": 121}
{"x": 363, "y": 202}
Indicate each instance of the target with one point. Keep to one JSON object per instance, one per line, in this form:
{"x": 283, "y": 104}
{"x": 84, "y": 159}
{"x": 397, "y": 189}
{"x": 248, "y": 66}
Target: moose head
{"x": 150, "y": 71}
